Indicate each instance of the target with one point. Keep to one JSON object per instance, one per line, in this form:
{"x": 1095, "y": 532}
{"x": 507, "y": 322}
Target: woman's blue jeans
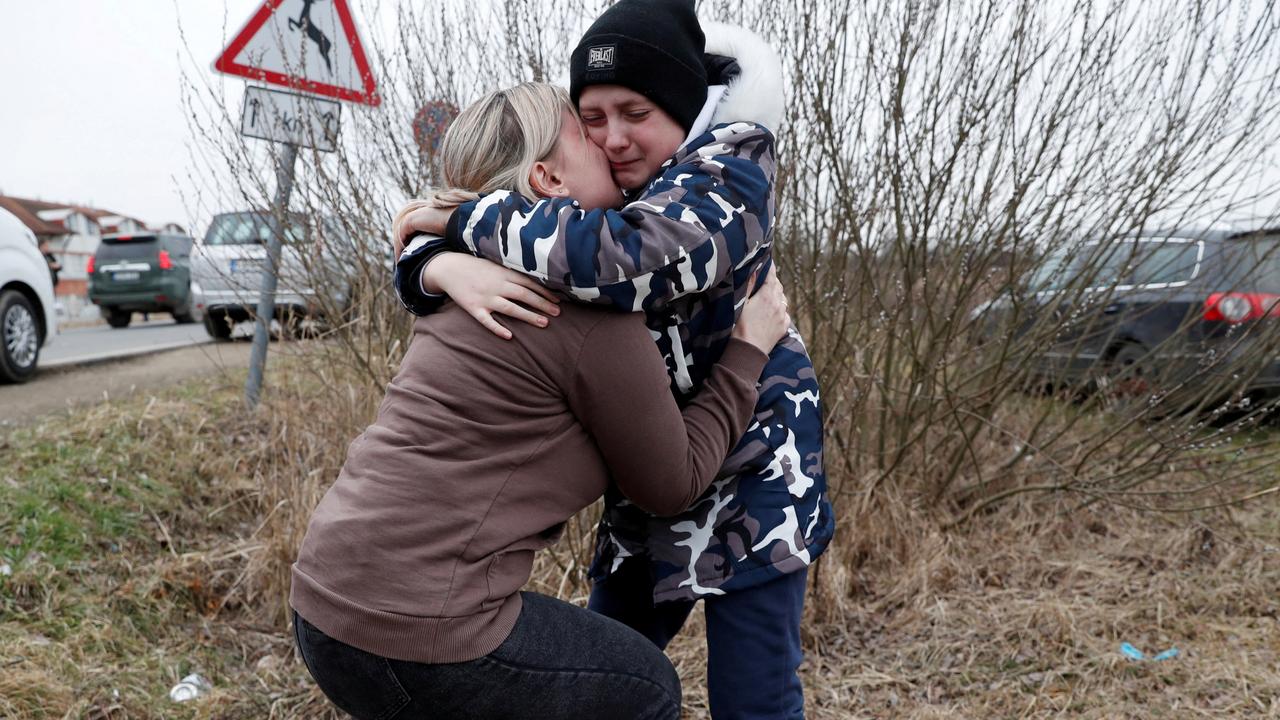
{"x": 560, "y": 661}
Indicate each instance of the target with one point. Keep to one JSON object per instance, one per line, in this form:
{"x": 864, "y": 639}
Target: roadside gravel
{"x": 63, "y": 388}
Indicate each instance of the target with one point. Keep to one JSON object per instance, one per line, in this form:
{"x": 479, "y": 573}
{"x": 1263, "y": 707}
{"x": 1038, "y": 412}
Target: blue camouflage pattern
{"x": 682, "y": 251}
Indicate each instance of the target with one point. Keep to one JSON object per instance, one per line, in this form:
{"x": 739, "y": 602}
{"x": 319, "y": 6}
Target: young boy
{"x": 697, "y": 223}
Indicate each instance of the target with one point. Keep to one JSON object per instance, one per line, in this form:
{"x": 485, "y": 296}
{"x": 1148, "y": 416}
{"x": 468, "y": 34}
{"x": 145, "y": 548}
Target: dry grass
{"x": 1025, "y": 619}
{"x": 150, "y": 538}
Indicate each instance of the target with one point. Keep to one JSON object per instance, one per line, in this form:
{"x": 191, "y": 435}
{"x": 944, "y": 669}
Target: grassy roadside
{"x": 139, "y": 538}
{"x": 125, "y": 527}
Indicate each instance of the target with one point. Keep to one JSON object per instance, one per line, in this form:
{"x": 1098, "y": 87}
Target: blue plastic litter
{"x": 1134, "y": 653}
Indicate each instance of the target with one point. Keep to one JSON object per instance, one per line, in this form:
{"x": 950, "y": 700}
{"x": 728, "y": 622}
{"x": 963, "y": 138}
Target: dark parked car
{"x": 1169, "y": 309}
{"x": 142, "y": 272}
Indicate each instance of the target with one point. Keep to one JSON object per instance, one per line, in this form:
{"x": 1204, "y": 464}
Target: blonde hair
{"x": 493, "y": 145}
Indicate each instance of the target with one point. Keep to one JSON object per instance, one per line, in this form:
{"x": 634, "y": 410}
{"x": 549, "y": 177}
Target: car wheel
{"x": 119, "y": 318}
{"x": 1126, "y": 376}
{"x": 217, "y": 326}
{"x": 291, "y": 327}
{"x": 186, "y": 314}
{"x": 19, "y": 337}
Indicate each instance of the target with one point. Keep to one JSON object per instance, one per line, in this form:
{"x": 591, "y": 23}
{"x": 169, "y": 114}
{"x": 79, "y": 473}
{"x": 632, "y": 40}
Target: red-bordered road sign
{"x": 306, "y": 45}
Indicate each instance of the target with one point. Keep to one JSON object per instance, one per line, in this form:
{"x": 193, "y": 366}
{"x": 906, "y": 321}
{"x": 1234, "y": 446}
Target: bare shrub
{"x": 935, "y": 154}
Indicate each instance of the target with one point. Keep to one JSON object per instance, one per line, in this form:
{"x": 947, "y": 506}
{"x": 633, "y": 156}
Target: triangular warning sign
{"x": 307, "y": 45}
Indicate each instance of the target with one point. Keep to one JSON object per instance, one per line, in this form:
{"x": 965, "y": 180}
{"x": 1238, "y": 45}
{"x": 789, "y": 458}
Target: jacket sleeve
{"x": 707, "y": 213}
{"x": 660, "y": 457}
{"x": 407, "y": 279}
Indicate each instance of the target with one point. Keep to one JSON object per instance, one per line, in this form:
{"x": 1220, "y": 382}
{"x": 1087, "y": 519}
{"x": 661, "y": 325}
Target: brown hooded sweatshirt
{"x": 481, "y": 450}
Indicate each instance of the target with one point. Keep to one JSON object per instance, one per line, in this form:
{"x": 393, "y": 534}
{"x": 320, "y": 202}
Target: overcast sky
{"x": 91, "y": 110}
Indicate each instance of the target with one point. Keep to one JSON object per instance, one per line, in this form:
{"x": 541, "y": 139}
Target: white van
{"x": 27, "y": 318}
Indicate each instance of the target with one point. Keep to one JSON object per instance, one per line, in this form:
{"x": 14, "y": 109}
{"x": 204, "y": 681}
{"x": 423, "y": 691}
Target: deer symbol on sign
{"x": 322, "y": 41}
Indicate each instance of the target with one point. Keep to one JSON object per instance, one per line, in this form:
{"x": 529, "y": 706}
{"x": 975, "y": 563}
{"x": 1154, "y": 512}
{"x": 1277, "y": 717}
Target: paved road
{"x": 54, "y": 389}
{"x": 73, "y": 347}
{"x": 84, "y": 365}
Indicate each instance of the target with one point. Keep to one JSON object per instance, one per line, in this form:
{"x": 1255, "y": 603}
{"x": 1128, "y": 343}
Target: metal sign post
{"x": 267, "y": 295}
{"x": 304, "y": 45}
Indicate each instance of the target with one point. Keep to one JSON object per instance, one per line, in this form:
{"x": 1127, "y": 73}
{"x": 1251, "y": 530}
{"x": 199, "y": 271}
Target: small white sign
{"x": 302, "y": 120}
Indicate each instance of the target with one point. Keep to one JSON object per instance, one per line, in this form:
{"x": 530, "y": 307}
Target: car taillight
{"x": 1239, "y": 307}
{"x": 165, "y": 262}
{"x": 89, "y": 268}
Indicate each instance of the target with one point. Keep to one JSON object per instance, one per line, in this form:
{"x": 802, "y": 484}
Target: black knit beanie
{"x": 653, "y": 47}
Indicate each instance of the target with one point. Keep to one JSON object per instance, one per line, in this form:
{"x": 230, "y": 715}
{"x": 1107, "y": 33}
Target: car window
{"x": 127, "y": 250}
{"x": 1092, "y": 265}
{"x": 1110, "y": 264}
{"x": 1162, "y": 262}
{"x": 251, "y": 229}
{"x": 1049, "y": 274}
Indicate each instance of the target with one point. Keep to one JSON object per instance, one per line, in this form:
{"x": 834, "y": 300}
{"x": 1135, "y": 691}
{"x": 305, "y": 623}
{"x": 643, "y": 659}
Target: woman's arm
{"x": 663, "y": 458}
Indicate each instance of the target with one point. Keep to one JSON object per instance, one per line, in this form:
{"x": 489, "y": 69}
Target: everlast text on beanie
{"x": 653, "y": 47}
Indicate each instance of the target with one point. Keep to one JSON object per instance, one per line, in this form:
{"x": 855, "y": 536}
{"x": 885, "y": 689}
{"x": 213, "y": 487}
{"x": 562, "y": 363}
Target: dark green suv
{"x": 142, "y": 272}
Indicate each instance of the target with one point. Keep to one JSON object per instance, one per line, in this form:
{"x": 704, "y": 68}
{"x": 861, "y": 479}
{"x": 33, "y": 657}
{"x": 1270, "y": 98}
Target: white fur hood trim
{"x": 756, "y": 94}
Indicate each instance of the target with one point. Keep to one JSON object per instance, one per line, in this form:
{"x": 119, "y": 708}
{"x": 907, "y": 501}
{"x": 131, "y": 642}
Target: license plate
{"x": 124, "y": 276}
{"x": 246, "y": 266}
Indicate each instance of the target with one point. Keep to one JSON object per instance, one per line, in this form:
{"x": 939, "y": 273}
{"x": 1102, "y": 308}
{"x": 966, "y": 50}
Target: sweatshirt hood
{"x": 755, "y": 95}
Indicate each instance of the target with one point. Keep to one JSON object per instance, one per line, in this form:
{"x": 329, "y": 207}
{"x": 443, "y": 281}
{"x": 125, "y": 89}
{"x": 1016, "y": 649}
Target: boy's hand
{"x": 483, "y": 289}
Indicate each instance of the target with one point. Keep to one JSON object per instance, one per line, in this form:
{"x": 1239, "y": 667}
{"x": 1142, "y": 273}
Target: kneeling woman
{"x": 407, "y": 586}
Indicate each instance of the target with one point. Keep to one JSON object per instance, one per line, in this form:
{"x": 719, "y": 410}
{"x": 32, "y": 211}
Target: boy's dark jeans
{"x": 753, "y": 638}
{"x": 560, "y": 661}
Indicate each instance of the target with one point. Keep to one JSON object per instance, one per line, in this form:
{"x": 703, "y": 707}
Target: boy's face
{"x": 636, "y": 135}
{"x": 582, "y": 168}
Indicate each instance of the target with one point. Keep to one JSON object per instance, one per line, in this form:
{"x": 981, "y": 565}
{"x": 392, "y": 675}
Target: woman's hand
{"x": 483, "y": 288}
{"x": 764, "y": 319}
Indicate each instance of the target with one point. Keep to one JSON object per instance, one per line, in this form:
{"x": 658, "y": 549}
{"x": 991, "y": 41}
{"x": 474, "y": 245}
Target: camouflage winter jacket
{"x": 682, "y": 252}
